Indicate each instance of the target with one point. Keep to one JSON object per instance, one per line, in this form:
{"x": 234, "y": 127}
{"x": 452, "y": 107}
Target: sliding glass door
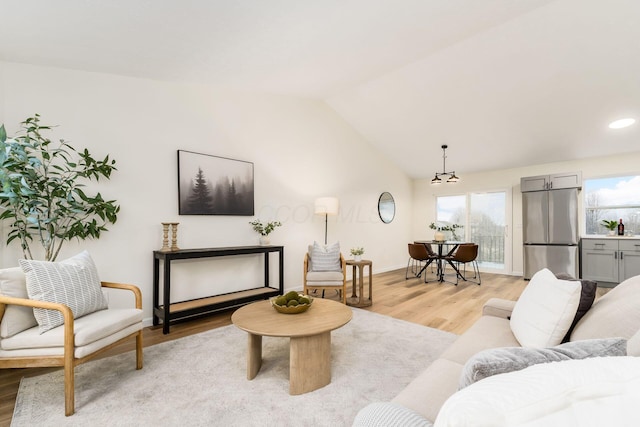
{"x": 485, "y": 218}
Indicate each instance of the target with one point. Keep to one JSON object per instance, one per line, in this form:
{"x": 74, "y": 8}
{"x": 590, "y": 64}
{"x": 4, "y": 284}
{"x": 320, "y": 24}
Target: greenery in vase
{"x": 264, "y": 229}
{"x": 610, "y": 224}
{"x": 452, "y": 228}
{"x": 42, "y": 192}
{"x": 357, "y": 251}
{"x": 447, "y": 227}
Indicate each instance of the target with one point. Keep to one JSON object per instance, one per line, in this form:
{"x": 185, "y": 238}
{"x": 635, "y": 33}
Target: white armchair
{"x": 75, "y": 342}
{"x": 325, "y": 279}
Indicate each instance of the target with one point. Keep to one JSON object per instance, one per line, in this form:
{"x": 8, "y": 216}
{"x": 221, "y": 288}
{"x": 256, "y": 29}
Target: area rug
{"x": 200, "y": 380}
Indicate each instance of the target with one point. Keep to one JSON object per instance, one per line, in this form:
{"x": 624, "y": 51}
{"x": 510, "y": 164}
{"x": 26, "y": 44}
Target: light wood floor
{"x": 438, "y": 305}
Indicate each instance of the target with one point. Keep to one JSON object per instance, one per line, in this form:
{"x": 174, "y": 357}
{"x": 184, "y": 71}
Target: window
{"x": 612, "y": 199}
{"x": 484, "y": 217}
{"x": 451, "y": 209}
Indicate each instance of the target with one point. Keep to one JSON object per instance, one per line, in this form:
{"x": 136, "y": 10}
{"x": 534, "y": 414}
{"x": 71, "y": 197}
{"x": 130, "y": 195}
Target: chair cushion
{"x": 324, "y": 276}
{"x": 616, "y": 314}
{"x": 88, "y": 329}
{"x": 325, "y": 258}
{"x": 16, "y": 318}
{"x": 79, "y": 352}
{"x": 545, "y": 310}
{"x": 73, "y": 282}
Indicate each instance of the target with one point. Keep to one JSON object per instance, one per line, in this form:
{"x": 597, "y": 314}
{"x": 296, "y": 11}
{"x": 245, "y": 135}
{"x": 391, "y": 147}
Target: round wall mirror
{"x": 386, "y": 207}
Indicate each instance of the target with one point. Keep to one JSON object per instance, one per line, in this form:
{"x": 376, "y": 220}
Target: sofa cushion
{"x": 633, "y": 345}
{"x": 16, "y": 318}
{"x": 600, "y": 391}
{"x": 388, "y": 414}
{"x": 73, "y": 282}
{"x": 429, "y": 390}
{"x": 325, "y": 258}
{"x": 545, "y": 310}
{"x": 615, "y": 314}
{"x": 508, "y": 359}
{"x": 487, "y": 332}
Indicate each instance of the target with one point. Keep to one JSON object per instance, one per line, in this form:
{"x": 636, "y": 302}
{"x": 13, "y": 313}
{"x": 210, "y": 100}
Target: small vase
{"x": 357, "y": 258}
{"x": 264, "y": 240}
{"x": 438, "y": 236}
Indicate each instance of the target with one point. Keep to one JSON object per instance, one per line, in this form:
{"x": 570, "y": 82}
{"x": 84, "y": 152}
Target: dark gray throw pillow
{"x": 587, "y": 296}
{"x": 508, "y": 359}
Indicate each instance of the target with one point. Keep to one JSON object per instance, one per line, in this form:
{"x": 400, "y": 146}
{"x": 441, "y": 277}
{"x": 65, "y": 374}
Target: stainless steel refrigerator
{"x": 550, "y": 227}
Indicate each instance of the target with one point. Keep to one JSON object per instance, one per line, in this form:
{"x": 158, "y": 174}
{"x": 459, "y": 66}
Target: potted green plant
{"x": 357, "y": 253}
{"x": 42, "y": 193}
{"x": 610, "y": 225}
{"x": 264, "y": 229}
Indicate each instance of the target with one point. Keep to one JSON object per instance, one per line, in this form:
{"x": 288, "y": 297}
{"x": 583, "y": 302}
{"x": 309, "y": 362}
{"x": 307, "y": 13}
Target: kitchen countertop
{"x": 605, "y": 236}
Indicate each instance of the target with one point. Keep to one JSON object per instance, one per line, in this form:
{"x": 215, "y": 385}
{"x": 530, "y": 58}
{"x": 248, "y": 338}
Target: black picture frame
{"x": 212, "y": 185}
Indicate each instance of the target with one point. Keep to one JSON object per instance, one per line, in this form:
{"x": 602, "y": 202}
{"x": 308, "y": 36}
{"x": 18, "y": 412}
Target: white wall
{"x": 424, "y": 194}
{"x": 300, "y": 149}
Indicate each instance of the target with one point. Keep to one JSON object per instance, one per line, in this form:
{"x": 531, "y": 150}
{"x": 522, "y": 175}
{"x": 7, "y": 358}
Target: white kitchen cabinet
{"x": 610, "y": 260}
{"x": 551, "y": 182}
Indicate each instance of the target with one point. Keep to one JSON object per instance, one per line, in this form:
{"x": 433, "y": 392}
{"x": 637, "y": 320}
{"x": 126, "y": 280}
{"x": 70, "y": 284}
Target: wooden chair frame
{"x": 68, "y": 360}
{"x": 342, "y": 289}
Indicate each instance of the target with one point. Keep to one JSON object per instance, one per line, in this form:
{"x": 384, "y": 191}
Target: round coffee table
{"x": 309, "y": 344}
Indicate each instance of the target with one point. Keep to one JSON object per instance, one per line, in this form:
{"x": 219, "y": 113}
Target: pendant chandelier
{"x": 451, "y": 175}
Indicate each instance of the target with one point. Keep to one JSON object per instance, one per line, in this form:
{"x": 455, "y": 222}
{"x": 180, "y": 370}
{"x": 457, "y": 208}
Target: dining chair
{"x": 466, "y": 253}
{"x": 419, "y": 253}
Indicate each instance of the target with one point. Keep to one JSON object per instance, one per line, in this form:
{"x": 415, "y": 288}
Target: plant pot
{"x": 264, "y": 240}
{"x": 357, "y": 258}
{"x": 438, "y": 236}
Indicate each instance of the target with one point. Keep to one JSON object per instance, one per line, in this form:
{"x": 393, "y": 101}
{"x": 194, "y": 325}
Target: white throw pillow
{"x": 325, "y": 258}
{"x": 16, "y": 318}
{"x": 596, "y": 392}
{"x": 73, "y": 282}
{"x": 544, "y": 312}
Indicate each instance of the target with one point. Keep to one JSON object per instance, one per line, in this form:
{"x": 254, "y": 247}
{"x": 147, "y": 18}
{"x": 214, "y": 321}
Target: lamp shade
{"x": 326, "y": 205}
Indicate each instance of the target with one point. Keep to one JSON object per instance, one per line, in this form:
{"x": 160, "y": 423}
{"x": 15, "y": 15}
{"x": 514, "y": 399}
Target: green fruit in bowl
{"x": 281, "y": 300}
{"x": 291, "y": 295}
{"x": 304, "y": 300}
{"x": 292, "y": 303}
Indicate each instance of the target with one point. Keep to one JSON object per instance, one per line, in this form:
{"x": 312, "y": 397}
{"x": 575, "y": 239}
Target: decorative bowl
{"x": 300, "y": 308}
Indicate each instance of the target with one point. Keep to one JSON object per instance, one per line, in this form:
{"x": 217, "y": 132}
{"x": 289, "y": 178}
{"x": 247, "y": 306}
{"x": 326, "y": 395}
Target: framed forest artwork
{"x": 212, "y": 185}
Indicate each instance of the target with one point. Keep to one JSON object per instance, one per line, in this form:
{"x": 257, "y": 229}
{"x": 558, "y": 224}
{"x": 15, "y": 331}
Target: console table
{"x": 168, "y": 311}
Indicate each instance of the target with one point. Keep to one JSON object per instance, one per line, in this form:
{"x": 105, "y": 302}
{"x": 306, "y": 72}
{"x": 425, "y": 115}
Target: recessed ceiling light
{"x": 622, "y": 123}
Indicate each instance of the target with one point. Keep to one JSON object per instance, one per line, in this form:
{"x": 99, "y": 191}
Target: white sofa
{"x": 616, "y": 314}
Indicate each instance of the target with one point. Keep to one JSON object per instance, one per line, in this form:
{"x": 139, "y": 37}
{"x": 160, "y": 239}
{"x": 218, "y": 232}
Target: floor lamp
{"x": 326, "y": 206}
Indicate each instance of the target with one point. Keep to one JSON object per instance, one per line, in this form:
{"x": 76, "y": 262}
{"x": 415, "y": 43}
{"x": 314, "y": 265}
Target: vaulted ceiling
{"x": 505, "y": 83}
